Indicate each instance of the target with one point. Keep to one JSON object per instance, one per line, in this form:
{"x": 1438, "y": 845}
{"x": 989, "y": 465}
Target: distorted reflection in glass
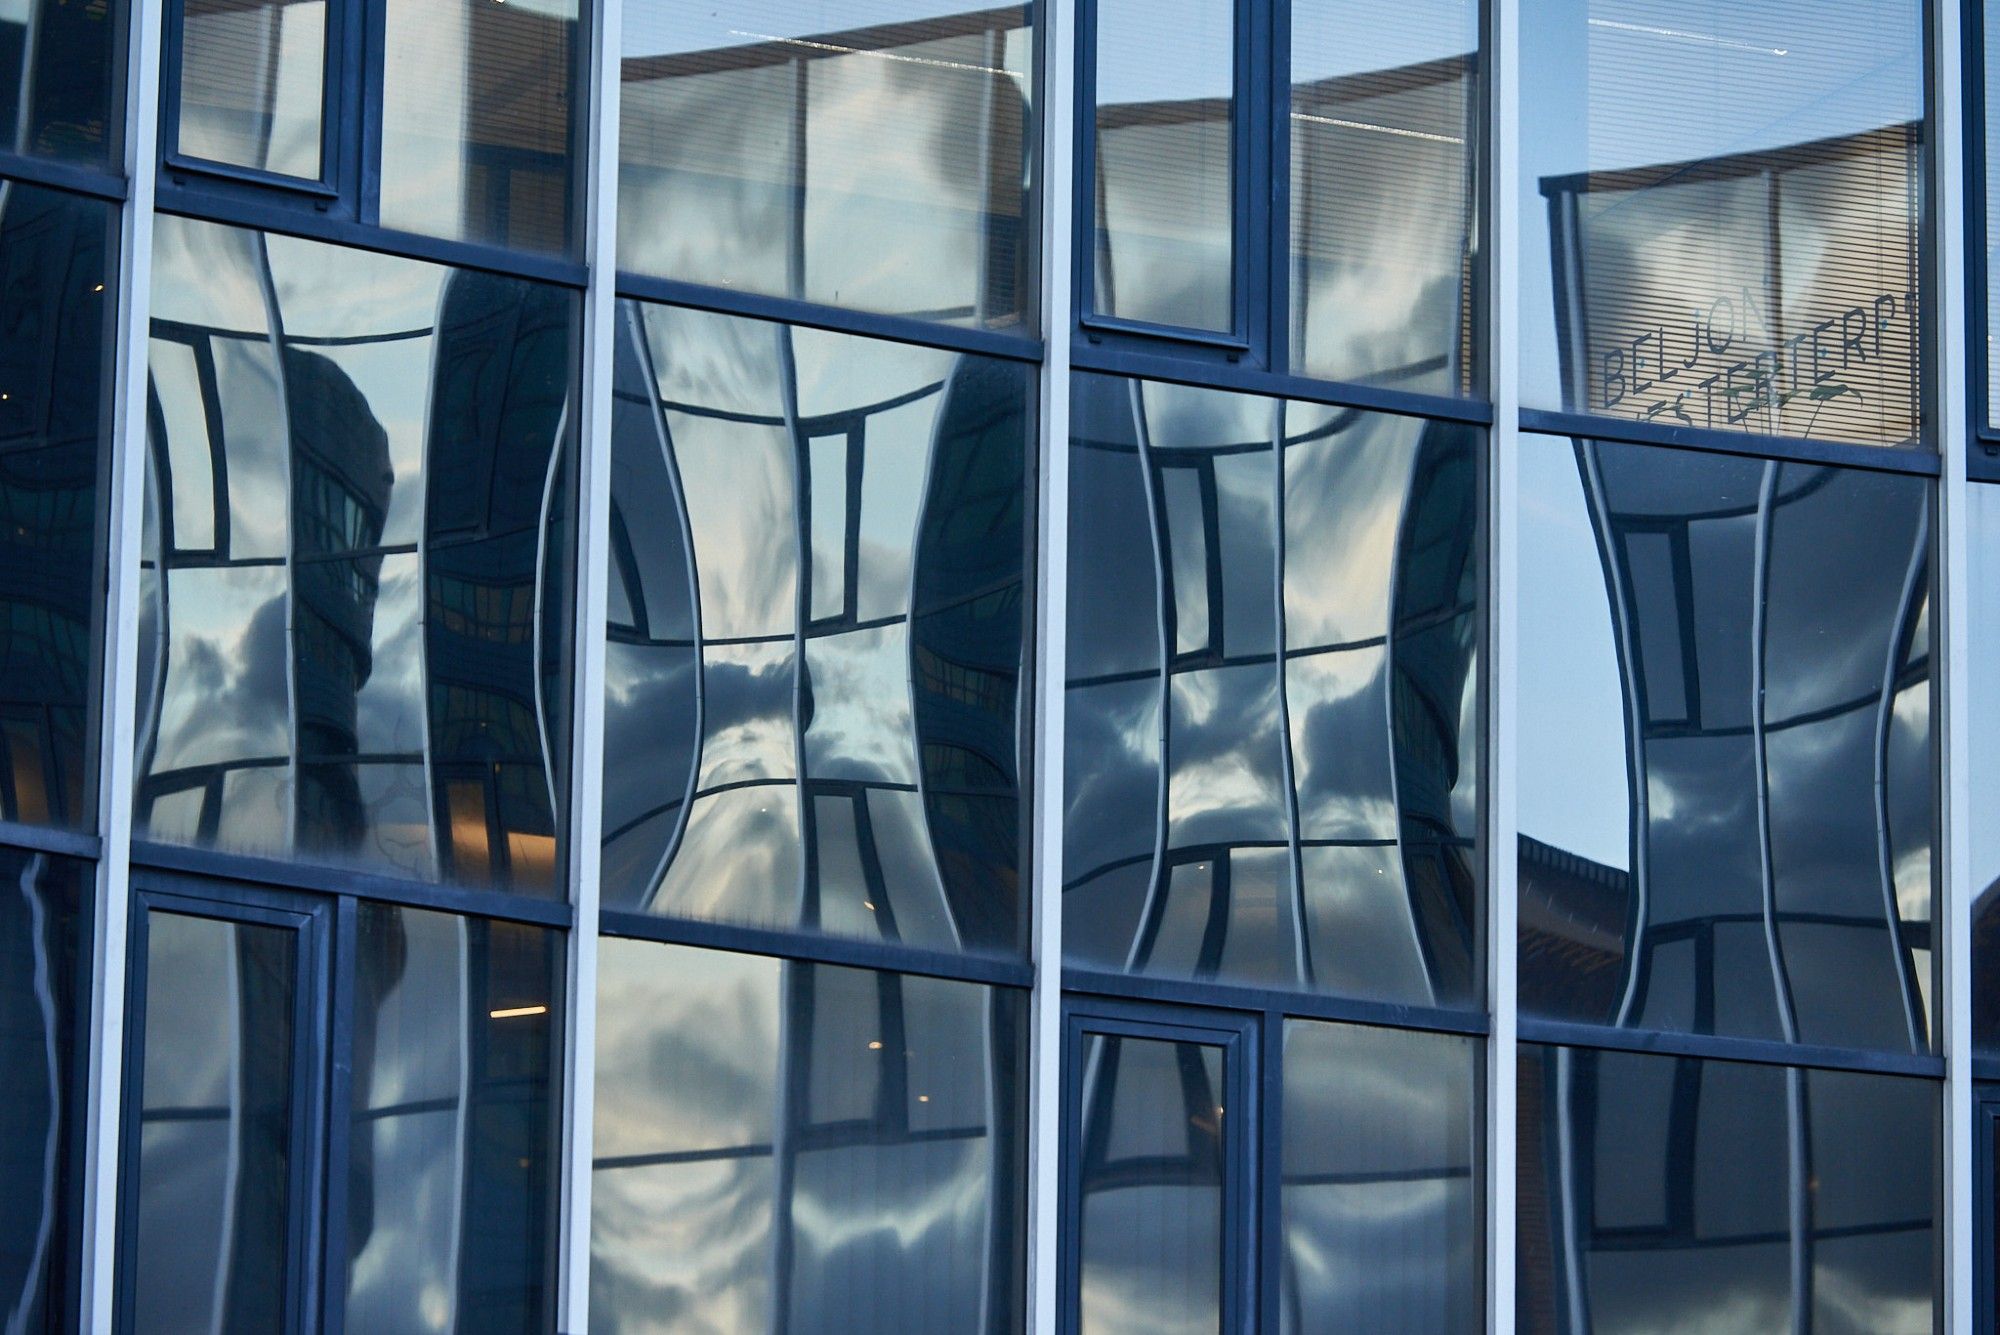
{"x": 862, "y": 153}
{"x": 58, "y": 61}
{"x": 479, "y": 120}
{"x": 55, "y": 376}
{"x": 212, "y": 1245}
{"x": 794, "y": 1147}
{"x": 44, "y": 1000}
{"x": 1669, "y": 1193}
{"x": 1381, "y": 1211}
{"x": 1384, "y": 128}
{"x": 1982, "y": 633}
{"x": 1272, "y": 750}
{"x": 1751, "y": 262}
{"x": 1150, "y": 1191}
{"x": 1727, "y": 795}
{"x": 816, "y": 607}
{"x": 355, "y": 582}
{"x": 451, "y": 1133}
{"x": 252, "y": 82}
{"x": 1165, "y": 157}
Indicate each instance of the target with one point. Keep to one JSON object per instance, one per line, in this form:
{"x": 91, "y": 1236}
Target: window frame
{"x": 1982, "y": 459}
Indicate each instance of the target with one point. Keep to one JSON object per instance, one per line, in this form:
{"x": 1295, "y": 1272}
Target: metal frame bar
{"x": 1880, "y": 458}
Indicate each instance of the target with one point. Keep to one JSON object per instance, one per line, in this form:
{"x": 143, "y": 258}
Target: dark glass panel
{"x": 1727, "y": 797}
{"x": 356, "y": 576}
{"x": 1669, "y": 1193}
{"x": 479, "y": 120}
{"x": 812, "y": 690}
{"x": 55, "y": 381}
{"x": 59, "y": 66}
{"x": 451, "y": 1171}
{"x": 1982, "y": 633}
{"x": 1381, "y": 1193}
{"x": 1384, "y": 132}
{"x": 44, "y": 1001}
{"x": 1750, "y": 262}
{"x": 863, "y": 153}
{"x": 253, "y": 84}
{"x": 1273, "y": 740}
{"x": 794, "y": 1147}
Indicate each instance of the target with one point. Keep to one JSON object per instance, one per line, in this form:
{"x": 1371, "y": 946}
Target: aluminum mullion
{"x": 586, "y": 777}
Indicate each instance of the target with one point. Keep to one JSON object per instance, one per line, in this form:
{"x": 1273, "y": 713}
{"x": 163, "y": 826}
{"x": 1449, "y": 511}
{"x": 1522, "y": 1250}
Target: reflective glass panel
{"x": 452, "y": 1125}
{"x": 44, "y": 1004}
{"x": 1726, "y": 766}
{"x": 1983, "y": 759}
{"x": 479, "y": 121}
{"x": 355, "y": 611}
{"x": 1384, "y": 135}
{"x": 1989, "y": 76}
{"x": 862, "y": 153}
{"x": 814, "y": 673}
{"x": 1381, "y": 1193}
{"x": 59, "y": 67}
{"x": 212, "y": 1242}
{"x": 1272, "y": 748}
{"x": 252, "y": 81}
{"x": 55, "y": 376}
{"x": 1165, "y": 158}
{"x": 794, "y": 1147}
{"x": 1667, "y": 1193}
{"x": 1749, "y": 262}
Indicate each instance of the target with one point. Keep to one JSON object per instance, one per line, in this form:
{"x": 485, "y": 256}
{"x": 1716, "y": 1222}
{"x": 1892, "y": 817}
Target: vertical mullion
{"x": 118, "y": 685}
{"x": 1057, "y": 190}
{"x": 603, "y": 23}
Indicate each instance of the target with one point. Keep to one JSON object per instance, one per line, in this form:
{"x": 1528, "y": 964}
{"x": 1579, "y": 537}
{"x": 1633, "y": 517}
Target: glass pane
{"x": 215, "y": 1215}
{"x": 1727, "y": 797}
{"x": 55, "y": 375}
{"x": 479, "y": 121}
{"x": 252, "y": 83}
{"x": 1751, "y": 262}
{"x": 1165, "y": 162}
{"x": 356, "y": 576}
{"x": 1982, "y": 634}
{"x": 58, "y": 63}
{"x": 451, "y": 1173}
{"x": 1667, "y": 1193}
{"x": 1989, "y": 74}
{"x": 862, "y": 153}
{"x": 1150, "y": 1191}
{"x": 1272, "y": 749}
{"x": 791, "y": 1146}
{"x": 812, "y": 708}
{"x": 1384, "y": 131}
{"x": 1381, "y": 1185}
{"x": 44, "y": 994}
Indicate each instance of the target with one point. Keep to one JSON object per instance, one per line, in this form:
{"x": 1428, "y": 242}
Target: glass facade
{"x": 1240, "y": 667}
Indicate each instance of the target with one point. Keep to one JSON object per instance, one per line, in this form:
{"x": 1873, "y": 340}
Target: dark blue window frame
{"x": 1982, "y": 460}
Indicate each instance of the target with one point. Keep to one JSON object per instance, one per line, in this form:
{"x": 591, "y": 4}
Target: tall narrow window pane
{"x": 1983, "y": 756}
{"x": 1165, "y": 152}
{"x": 58, "y": 65}
{"x": 862, "y": 153}
{"x": 480, "y": 121}
{"x": 1384, "y": 134}
{"x": 1722, "y": 212}
{"x": 252, "y": 83}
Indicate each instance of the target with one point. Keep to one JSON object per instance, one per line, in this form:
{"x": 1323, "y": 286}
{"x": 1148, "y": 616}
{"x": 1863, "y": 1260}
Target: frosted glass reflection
{"x": 252, "y": 83}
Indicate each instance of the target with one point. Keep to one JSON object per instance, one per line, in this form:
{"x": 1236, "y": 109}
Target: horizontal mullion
{"x": 63, "y": 176}
{"x": 1250, "y": 380}
{"x": 1717, "y": 1047}
{"x": 49, "y": 839}
{"x": 1789, "y": 449}
{"x": 1302, "y": 1005}
{"x": 845, "y": 952}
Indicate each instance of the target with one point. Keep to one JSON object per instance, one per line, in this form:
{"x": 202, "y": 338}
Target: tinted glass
{"x": 450, "y": 1172}
{"x": 1150, "y": 1188}
{"x": 355, "y": 583}
{"x": 1983, "y": 759}
{"x": 1381, "y": 1190}
{"x": 1727, "y": 781}
{"x": 44, "y": 994}
{"x": 1749, "y": 262}
{"x": 479, "y": 120}
{"x": 865, "y": 153}
{"x": 1989, "y": 75}
{"x": 813, "y": 680}
{"x": 252, "y": 82}
{"x": 55, "y": 377}
{"x": 1384, "y": 134}
{"x": 59, "y": 68}
{"x": 1666, "y": 1193}
{"x": 216, "y": 1137}
{"x": 794, "y": 1147}
{"x": 1272, "y": 722}
{"x": 1166, "y": 162}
